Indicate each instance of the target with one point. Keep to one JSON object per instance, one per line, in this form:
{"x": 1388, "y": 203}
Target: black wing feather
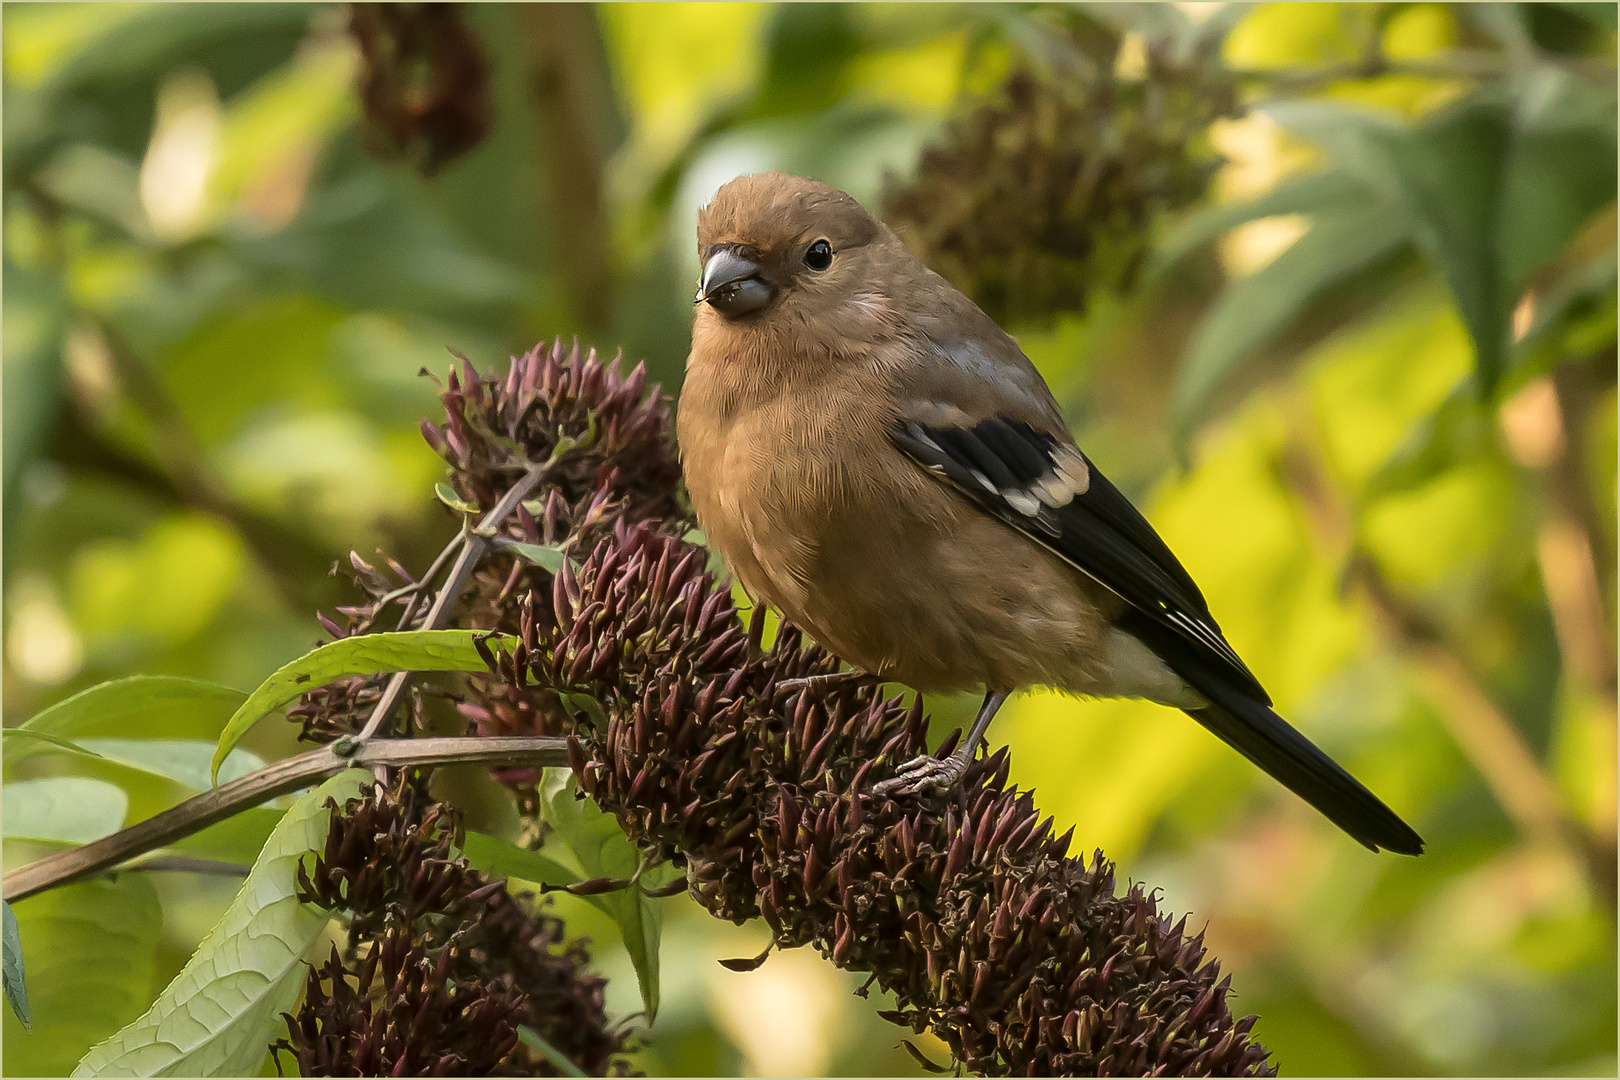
{"x": 1100, "y": 531}
{"x": 995, "y": 464}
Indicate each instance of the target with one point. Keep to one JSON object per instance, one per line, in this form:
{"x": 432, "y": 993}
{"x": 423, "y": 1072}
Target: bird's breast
{"x": 786, "y": 485}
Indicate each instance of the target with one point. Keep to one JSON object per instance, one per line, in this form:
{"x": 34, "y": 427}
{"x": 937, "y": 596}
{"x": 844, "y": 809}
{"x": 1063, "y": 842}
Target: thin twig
{"x": 185, "y": 864}
{"x": 278, "y": 778}
{"x": 414, "y": 590}
{"x": 472, "y": 550}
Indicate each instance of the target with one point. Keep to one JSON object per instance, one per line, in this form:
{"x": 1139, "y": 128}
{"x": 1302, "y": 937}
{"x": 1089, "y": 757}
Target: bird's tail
{"x": 1266, "y": 739}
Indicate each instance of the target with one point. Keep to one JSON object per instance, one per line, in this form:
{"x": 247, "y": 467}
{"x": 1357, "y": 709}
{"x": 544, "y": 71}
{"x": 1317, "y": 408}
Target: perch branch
{"x": 278, "y": 778}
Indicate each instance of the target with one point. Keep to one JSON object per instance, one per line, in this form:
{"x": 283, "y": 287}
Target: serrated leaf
{"x": 219, "y": 1013}
{"x": 546, "y": 556}
{"x": 603, "y": 851}
{"x": 165, "y": 705}
{"x": 447, "y": 495}
{"x": 11, "y": 969}
{"x": 91, "y": 950}
{"x": 72, "y": 809}
{"x": 1255, "y": 310}
{"x": 365, "y": 654}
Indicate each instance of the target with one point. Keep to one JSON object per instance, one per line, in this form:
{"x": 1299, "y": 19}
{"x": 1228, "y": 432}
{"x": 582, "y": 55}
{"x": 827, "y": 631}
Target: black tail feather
{"x": 1253, "y": 730}
{"x": 1266, "y": 739}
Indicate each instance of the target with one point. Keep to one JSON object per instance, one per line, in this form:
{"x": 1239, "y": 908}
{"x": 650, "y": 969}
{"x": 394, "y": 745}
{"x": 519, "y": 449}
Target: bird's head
{"x": 773, "y": 243}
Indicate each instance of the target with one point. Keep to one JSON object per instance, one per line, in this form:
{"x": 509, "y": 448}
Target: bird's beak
{"x": 731, "y": 284}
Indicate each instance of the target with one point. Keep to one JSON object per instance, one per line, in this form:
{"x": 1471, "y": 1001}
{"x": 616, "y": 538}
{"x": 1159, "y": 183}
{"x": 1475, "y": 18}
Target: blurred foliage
{"x": 1364, "y": 386}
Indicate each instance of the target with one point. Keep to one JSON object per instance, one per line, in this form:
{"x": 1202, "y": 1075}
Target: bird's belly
{"x": 949, "y": 602}
{"x": 891, "y": 570}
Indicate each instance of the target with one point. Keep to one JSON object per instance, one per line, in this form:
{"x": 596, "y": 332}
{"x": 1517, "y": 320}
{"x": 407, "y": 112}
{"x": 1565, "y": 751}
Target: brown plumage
{"x": 876, "y": 458}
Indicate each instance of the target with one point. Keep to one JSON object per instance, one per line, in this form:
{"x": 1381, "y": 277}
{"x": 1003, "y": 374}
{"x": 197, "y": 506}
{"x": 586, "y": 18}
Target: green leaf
{"x": 185, "y": 761}
{"x": 1310, "y": 194}
{"x": 1459, "y": 430}
{"x": 219, "y": 1013}
{"x": 546, "y": 556}
{"x": 73, "y": 809}
{"x": 1452, "y": 175}
{"x": 1255, "y": 310}
{"x": 584, "y": 703}
{"x": 164, "y": 705}
{"x": 1560, "y": 171}
{"x": 33, "y": 310}
{"x": 500, "y": 858}
{"x": 602, "y": 850}
{"x": 366, "y": 654}
{"x": 1600, "y": 15}
{"x": 542, "y": 1046}
{"x": 69, "y": 810}
{"x": 1492, "y": 189}
{"x": 20, "y": 741}
{"x": 11, "y": 969}
{"x": 238, "y": 839}
{"x": 1448, "y": 179}
{"x": 448, "y": 496}
{"x": 92, "y": 953}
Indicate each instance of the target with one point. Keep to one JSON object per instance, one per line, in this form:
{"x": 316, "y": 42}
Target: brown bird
{"x": 874, "y": 457}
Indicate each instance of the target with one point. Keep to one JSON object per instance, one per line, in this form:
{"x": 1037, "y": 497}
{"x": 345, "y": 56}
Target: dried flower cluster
{"x": 622, "y": 466}
{"x": 1023, "y": 960}
{"x": 442, "y": 966}
{"x": 618, "y": 464}
{"x": 737, "y": 763}
{"x": 1042, "y": 193}
{"x": 424, "y": 84}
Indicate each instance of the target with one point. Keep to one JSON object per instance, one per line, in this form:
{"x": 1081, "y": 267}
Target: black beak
{"x": 731, "y": 284}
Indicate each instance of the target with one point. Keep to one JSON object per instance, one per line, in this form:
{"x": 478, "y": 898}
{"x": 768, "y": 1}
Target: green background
{"x": 217, "y": 303}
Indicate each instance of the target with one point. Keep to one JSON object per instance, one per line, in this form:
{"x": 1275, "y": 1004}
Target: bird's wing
{"x": 1046, "y": 489}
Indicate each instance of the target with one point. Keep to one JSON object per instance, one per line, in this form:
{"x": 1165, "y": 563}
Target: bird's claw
{"x": 923, "y": 774}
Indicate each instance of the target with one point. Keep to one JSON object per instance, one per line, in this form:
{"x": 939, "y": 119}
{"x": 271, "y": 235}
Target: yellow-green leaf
{"x": 219, "y": 1013}
{"x": 367, "y": 654}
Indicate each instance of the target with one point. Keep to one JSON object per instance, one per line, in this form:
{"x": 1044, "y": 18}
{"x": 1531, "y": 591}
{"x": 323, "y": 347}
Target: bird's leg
{"x": 927, "y": 771}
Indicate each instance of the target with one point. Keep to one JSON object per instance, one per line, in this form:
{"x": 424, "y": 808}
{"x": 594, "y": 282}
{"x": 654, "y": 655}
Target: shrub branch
{"x": 277, "y": 778}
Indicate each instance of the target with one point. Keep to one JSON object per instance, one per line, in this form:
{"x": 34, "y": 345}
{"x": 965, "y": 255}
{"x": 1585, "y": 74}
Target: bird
{"x": 871, "y": 455}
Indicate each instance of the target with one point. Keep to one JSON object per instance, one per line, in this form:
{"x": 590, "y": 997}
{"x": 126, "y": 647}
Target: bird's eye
{"x": 819, "y": 257}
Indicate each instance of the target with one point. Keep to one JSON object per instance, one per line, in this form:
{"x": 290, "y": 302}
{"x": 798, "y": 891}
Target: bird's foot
{"x": 925, "y": 773}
